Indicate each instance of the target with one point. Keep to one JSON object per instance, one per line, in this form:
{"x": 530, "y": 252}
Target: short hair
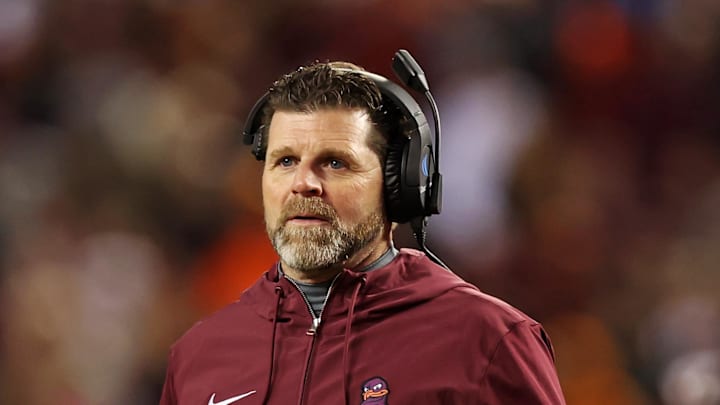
{"x": 333, "y": 85}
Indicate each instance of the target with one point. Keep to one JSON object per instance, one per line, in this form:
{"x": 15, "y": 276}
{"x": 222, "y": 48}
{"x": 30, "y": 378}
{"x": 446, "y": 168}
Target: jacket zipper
{"x": 312, "y": 331}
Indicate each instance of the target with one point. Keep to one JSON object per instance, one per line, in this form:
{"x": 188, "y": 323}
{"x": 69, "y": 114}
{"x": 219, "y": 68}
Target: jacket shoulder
{"x": 246, "y": 310}
{"x": 461, "y": 298}
{"x": 488, "y": 308}
{"x": 477, "y": 309}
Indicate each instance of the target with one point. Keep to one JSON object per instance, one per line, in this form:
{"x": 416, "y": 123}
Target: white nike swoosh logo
{"x": 229, "y": 400}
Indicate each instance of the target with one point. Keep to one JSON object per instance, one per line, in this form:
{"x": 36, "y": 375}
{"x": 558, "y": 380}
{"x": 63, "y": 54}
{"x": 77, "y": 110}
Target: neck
{"x": 311, "y": 277}
{"x": 360, "y": 259}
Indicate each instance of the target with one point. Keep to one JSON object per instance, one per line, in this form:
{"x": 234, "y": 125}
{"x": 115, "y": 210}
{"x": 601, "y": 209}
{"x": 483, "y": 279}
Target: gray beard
{"x": 311, "y": 249}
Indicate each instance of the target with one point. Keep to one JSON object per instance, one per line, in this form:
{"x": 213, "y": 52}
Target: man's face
{"x": 322, "y": 188}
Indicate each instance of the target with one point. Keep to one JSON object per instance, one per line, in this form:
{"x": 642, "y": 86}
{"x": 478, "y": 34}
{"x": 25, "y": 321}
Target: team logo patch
{"x": 375, "y": 391}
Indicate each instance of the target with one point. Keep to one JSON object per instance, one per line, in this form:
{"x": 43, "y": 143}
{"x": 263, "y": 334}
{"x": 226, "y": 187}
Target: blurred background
{"x": 580, "y": 154}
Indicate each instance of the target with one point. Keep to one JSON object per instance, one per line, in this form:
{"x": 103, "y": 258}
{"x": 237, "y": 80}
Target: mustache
{"x": 313, "y": 206}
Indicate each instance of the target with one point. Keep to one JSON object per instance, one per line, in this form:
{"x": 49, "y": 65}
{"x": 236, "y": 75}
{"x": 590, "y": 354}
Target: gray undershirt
{"x": 316, "y": 293}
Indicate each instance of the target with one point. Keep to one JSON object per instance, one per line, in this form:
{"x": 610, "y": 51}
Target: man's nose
{"x": 306, "y": 182}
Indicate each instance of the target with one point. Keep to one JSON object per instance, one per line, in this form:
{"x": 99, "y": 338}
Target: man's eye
{"x": 285, "y": 162}
{"x": 336, "y": 164}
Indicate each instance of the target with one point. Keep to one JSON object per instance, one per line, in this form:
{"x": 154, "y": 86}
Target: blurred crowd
{"x": 580, "y": 155}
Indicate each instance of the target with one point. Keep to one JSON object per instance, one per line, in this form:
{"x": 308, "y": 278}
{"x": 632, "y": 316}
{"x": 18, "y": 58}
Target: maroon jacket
{"x": 407, "y": 333}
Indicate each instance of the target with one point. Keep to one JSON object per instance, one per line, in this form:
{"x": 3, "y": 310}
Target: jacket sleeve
{"x": 522, "y": 369}
{"x": 168, "y": 391}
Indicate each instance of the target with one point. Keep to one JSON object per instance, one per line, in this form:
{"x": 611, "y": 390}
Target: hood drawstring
{"x": 346, "y": 345}
{"x": 279, "y": 296}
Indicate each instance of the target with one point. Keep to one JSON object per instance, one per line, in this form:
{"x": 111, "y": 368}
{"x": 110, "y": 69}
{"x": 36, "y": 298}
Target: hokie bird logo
{"x": 375, "y": 391}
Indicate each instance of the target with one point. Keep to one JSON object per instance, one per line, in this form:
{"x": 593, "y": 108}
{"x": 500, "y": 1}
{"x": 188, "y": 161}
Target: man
{"x": 345, "y": 318}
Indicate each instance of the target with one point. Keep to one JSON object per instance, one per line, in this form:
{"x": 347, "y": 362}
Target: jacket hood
{"x": 412, "y": 278}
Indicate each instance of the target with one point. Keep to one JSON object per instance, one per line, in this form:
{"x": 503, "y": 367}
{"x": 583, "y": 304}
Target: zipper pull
{"x": 314, "y": 327}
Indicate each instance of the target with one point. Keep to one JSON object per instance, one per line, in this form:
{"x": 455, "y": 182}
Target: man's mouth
{"x": 307, "y": 219}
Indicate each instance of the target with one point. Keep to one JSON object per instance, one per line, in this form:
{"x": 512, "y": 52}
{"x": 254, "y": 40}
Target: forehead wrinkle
{"x": 321, "y": 117}
{"x": 317, "y": 131}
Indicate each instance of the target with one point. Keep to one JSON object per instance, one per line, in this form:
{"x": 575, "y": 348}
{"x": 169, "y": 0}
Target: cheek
{"x": 375, "y": 189}
{"x": 272, "y": 198}
{"x": 359, "y": 199}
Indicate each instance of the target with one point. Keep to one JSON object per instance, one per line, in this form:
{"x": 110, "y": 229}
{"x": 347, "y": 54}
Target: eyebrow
{"x": 278, "y": 153}
{"x": 342, "y": 154}
{"x": 325, "y": 153}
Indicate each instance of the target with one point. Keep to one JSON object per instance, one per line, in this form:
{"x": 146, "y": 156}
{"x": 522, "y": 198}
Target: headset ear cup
{"x": 393, "y": 179}
{"x": 258, "y": 147}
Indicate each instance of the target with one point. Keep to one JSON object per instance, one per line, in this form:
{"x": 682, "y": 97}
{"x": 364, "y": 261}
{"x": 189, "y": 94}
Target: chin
{"x": 309, "y": 259}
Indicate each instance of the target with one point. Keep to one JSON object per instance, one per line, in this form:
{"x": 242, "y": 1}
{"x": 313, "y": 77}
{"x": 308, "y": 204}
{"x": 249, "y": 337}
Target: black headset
{"x": 413, "y": 184}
